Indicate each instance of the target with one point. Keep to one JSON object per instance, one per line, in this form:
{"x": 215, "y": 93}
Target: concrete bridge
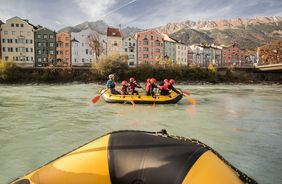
{"x": 270, "y": 67}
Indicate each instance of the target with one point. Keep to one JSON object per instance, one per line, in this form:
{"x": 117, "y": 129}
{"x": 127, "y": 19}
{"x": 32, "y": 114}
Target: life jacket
{"x": 147, "y": 87}
{"x": 111, "y": 84}
{"x": 124, "y": 89}
{"x": 132, "y": 86}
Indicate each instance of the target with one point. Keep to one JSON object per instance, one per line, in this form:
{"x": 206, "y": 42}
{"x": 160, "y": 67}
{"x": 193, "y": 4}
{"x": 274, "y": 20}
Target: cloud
{"x": 56, "y": 14}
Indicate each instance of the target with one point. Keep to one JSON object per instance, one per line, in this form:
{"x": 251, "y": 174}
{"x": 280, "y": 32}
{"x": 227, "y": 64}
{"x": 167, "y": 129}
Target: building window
{"x": 145, "y": 49}
{"x": 39, "y": 44}
{"x": 152, "y": 37}
{"x": 22, "y": 25}
{"x": 51, "y": 52}
{"x": 45, "y": 36}
{"x": 38, "y": 51}
{"x": 28, "y": 33}
{"x": 125, "y": 43}
{"x": 17, "y": 25}
{"x": 39, "y": 36}
{"x": 13, "y": 32}
{"x": 12, "y": 25}
{"x": 51, "y": 36}
{"x": 145, "y": 42}
{"x": 5, "y": 32}
{"x": 125, "y": 50}
{"x": 145, "y": 56}
{"x": 51, "y": 44}
{"x": 86, "y": 51}
{"x": 115, "y": 43}
{"x": 4, "y": 49}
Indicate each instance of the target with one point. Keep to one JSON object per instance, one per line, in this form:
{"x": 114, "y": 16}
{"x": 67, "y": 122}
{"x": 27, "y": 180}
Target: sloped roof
{"x": 167, "y": 38}
{"x": 114, "y": 32}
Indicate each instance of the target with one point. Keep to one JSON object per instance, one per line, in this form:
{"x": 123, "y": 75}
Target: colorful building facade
{"x": 150, "y": 46}
{"x": 82, "y": 53}
{"x": 232, "y": 55}
{"x": 169, "y": 48}
{"x": 181, "y": 53}
{"x": 203, "y": 55}
{"x": 63, "y": 50}
{"x": 130, "y": 48}
{"x": 45, "y": 47}
{"x": 114, "y": 41}
{"x": 17, "y": 42}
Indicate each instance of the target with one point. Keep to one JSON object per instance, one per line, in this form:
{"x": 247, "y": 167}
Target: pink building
{"x": 150, "y": 46}
{"x": 232, "y": 55}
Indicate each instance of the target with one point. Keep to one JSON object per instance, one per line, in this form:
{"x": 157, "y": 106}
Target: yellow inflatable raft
{"x": 137, "y": 157}
{"x": 141, "y": 98}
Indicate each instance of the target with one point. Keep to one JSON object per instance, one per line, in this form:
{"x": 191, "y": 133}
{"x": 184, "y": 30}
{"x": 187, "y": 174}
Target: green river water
{"x": 242, "y": 122}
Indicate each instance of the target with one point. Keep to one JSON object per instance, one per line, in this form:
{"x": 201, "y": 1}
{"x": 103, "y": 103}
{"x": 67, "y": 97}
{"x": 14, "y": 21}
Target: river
{"x": 242, "y": 122}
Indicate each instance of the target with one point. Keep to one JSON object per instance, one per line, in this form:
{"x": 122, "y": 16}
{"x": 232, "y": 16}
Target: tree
{"x": 94, "y": 42}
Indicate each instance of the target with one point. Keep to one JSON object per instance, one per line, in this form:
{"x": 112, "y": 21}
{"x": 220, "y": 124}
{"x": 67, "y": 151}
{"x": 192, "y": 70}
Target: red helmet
{"x": 171, "y": 81}
{"x": 153, "y": 80}
{"x": 131, "y": 79}
{"x": 148, "y": 80}
{"x": 166, "y": 81}
{"x": 124, "y": 82}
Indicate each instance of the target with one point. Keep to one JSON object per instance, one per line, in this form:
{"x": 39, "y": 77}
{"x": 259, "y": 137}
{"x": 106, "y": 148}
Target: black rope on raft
{"x": 245, "y": 178}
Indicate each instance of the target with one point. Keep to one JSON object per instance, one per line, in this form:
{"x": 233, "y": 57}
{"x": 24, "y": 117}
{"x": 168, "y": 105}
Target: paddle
{"x": 97, "y": 98}
{"x": 132, "y": 101}
{"x": 190, "y": 99}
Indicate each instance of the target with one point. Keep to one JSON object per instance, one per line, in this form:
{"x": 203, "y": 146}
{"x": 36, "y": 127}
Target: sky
{"x": 56, "y": 14}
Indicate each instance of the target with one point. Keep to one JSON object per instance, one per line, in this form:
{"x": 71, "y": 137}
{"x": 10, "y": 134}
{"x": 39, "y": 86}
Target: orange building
{"x": 63, "y": 49}
{"x": 150, "y": 46}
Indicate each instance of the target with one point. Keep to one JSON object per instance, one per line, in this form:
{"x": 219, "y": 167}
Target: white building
{"x": 203, "y": 55}
{"x": 82, "y": 53}
{"x": 130, "y": 48}
{"x": 181, "y": 53}
{"x": 17, "y": 42}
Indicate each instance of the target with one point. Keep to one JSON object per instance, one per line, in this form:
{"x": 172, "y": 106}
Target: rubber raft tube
{"x": 142, "y": 98}
{"x": 137, "y": 157}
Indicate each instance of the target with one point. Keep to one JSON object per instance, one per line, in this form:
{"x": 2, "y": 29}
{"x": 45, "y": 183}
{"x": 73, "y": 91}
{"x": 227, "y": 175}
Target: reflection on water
{"x": 243, "y": 123}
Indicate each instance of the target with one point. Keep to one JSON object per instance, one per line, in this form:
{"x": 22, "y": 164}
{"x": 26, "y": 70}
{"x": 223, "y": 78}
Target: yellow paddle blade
{"x": 191, "y": 100}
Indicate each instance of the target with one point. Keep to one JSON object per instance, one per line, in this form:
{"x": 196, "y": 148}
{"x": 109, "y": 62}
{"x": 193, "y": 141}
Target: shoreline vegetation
{"x": 10, "y": 73}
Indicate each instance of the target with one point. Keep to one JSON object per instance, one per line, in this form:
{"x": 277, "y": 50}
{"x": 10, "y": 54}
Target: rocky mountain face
{"x": 247, "y": 33}
{"x": 100, "y": 26}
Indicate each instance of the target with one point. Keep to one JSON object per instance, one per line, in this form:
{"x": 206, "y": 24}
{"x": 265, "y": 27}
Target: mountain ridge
{"x": 248, "y": 33}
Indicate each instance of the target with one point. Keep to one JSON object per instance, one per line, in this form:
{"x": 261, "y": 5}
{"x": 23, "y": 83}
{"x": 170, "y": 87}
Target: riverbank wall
{"x": 184, "y": 75}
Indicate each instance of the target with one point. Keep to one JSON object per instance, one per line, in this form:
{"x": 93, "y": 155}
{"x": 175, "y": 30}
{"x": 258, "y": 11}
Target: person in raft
{"x": 133, "y": 85}
{"x": 164, "y": 87}
{"x": 171, "y": 87}
{"x": 147, "y": 87}
{"x": 111, "y": 85}
{"x": 124, "y": 88}
{"x": 152, "y": 87}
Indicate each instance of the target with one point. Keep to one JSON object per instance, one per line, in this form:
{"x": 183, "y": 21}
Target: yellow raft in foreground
{"x": 135, "y": 157}
{"x": 141, "y": 98}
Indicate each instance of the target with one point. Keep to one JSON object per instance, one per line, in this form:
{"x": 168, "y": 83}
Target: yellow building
{"x": 17, "y": 42}
{"x": 114, "y": 41}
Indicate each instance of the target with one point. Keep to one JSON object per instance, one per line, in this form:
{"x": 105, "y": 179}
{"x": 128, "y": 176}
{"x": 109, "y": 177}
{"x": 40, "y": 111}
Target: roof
{"x": 114, "y": 32}
{"x": 167, "y": 38}
{"x": 26, "y": 20}
{"x": 74, "y": 40}
{"x": 44, "y": 28}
